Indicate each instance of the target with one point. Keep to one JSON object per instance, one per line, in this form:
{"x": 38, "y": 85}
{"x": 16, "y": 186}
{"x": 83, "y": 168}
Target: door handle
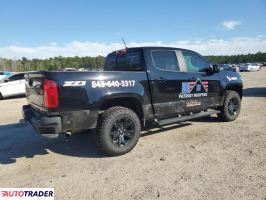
{"x": 158, "y": 80}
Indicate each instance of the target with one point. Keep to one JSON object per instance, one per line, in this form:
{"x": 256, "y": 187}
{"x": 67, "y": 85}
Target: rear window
{"x": 110, "y": 62}
{"x": 124, "y": 60}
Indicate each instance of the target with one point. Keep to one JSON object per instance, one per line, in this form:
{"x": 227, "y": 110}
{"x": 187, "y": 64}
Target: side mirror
{"x": 6, "y": 80}
{"x": 215, "y": 68}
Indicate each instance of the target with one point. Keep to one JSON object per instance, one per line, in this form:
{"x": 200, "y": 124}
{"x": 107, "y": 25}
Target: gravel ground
{"x": 199, "y": 159}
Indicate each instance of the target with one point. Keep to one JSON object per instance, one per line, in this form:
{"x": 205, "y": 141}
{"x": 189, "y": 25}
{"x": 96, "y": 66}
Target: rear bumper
{"x": 46, "y": 126}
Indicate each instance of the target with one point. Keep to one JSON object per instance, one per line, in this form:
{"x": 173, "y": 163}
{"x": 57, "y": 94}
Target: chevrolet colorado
{"x": 159, "y": 85}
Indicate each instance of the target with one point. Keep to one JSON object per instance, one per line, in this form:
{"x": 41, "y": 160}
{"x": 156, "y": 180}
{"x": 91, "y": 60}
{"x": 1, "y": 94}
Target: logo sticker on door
{"x": 192, "y": 89}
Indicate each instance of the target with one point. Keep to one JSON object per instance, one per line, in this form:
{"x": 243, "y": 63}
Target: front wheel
{"x": 231, "y": 107}
{"x": 118, "y": 131}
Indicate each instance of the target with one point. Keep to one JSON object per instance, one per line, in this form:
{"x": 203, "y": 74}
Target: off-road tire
{"x": 225, "y": 114}
{"x": 107, "y": 121}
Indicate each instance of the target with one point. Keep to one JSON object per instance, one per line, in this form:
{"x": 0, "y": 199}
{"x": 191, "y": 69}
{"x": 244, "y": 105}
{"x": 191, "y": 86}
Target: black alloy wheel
{"x": 231, "y": 106}
{"x": 118, "y": 130}
{"x": 122, "y": 131}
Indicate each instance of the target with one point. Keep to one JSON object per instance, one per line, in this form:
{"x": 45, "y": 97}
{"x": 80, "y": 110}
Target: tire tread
{"x": 223, "y": 115}
{"x": 104, "y": 120}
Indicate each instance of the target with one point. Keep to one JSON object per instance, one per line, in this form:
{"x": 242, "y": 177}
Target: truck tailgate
{"x": 34, "y": 90}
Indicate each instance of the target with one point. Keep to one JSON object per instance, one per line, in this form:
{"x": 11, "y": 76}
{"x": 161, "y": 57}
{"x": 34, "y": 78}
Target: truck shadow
{"x": 19, "y": 140}
{"x": 254, "y": 92}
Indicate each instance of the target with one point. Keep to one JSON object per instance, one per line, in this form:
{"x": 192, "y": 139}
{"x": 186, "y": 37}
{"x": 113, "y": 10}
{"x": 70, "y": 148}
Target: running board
{"x": 186, "y": 117}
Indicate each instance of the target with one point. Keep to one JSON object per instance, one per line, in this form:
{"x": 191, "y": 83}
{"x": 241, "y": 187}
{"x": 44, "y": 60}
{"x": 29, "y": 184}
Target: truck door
{"x": 166, "y": 74}
{"x": 202, "y": 90}
{"x": 175, "y": 87}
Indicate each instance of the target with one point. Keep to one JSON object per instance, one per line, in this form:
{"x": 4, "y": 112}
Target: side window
{"x": 194, "y": 62}
{"x": 165, "y": 60}
{"x": 13, "y": 78}
{"x": 16, "y": 77}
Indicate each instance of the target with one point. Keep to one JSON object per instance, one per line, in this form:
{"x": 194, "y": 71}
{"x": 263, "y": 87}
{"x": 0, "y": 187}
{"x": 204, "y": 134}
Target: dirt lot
{"x": 200, "y": 159}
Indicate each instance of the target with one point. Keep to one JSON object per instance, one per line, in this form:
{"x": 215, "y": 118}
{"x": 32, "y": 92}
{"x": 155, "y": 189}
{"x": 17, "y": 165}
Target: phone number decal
{"x": 116, "y": 83}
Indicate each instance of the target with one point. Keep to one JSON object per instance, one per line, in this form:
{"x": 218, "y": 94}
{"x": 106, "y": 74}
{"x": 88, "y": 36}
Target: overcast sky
{"x": 42, "y": 29}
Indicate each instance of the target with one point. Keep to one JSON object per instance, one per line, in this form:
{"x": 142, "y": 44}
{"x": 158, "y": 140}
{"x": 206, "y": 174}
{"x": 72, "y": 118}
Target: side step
{"x": 186, "y": 117}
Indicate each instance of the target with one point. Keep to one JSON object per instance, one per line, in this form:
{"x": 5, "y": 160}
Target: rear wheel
{"x": 231, "y": 107}
{"x": 118, "y": 131}
{"x": 1, "y": 97}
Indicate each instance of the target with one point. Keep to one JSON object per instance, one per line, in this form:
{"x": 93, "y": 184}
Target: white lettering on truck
{"x": 114, "y": 83}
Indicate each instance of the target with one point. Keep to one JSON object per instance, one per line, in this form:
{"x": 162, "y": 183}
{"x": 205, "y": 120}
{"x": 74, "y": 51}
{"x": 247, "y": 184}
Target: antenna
{"x": 124, "y": 43}
{"x": 97, "y": 62}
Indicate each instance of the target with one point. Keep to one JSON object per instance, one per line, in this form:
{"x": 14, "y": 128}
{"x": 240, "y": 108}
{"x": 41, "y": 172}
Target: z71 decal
{"x": 115, "y": 83}
{"x": 74, "y": 83}
{"x": 192, "y": 89}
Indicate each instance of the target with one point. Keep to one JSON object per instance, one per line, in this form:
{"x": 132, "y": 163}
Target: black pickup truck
{"x": 155, "y": 85}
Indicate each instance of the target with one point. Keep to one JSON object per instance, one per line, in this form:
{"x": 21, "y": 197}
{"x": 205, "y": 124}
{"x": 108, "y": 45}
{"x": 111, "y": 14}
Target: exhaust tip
{"x": 68, "y": 134}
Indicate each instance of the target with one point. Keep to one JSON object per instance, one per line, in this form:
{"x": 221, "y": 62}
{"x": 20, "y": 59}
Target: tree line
{"x": 235, "y": 59}
{"x": 56, "y": 63}
{"x": 94, "y": 63}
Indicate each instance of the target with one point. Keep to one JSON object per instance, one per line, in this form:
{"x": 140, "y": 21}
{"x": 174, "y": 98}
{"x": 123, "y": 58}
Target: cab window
{"x": 110, "y": 62}
{"x": 124, "y": 60}
{"x": 195, "y": 63}
{"x": 165, "y": 60}
{"x": 131, "y": 60}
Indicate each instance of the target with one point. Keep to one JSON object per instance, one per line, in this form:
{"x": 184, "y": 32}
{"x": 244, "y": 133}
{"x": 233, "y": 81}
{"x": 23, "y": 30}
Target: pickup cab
{"x": 138, "y": 86}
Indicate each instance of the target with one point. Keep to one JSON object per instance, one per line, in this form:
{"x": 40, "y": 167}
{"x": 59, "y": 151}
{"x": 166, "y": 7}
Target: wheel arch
{"x": 131, "y": 101}
{"x": 237, "y": 88}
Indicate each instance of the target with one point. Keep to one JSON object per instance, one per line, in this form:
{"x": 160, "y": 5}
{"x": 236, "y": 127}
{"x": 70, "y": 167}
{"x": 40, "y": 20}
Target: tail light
{"x": 50, "y": 91}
